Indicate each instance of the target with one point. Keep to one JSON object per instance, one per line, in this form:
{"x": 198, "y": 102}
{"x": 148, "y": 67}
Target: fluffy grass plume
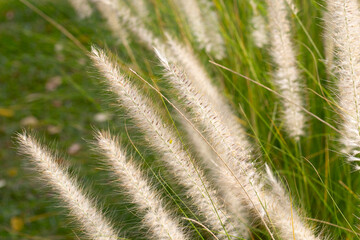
{"x": 237, "y": 171}
{"x": 329, "y": 44}
{"x": 204, "y": 25}
{"x": 55, "y": 175}
{"x": 212, "y": 25}
{"x": 163, "y": 226}
{"x": 108, "y": 10}
{"x": 207, "y": 155}
{"x": 286, "y": 75}
{"x": 82, "y": 7}
{"x": 345, "y": 25}
{"x": 259, "y": 32}
{"x": 202, "y": 81}
{"x": 136, "y": 26}
{"x": 141, "y": 8}
{"x": 166, "y": 142}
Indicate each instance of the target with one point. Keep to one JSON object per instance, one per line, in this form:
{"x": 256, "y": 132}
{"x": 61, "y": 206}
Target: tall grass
{"x": 238, "y": 160}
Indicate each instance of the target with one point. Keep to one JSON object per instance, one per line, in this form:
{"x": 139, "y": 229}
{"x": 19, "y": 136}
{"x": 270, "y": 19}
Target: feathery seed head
{"x": 283, "y": 213}
{"x": 82, "y": 7}
{"x": 108, "y": 10}
{"x": 286, "y": 76}
{"x": 344, "y": 16}
{"x": 163, "y": 226}
{"x": 93, "y": 223}
{"x": 140, "y": 8}
{"x": 259, "y": 32}
{"x": 166, "y": 142}
{"x": 234, "y": 163}
{"x": 204, "y": 25}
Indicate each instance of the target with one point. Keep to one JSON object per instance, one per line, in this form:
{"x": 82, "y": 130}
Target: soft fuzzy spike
{"x": 163, "y": 226}
{"x": 286, "y": 76}
{"x": 237, "y": 171}
{"x": 204, "y": 25}
{"x": 345, "y": 25}
{"x": 82, "y": 7}
{"x": 166, "y": 142}
{"x": 94, "y": 224}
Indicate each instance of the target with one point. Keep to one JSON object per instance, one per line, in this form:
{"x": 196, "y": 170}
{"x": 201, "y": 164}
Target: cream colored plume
{"x": 259, "y": 31}
{"x": 141, "y": 8}
{"x": 162, "y": 225}
{"x": 108, "y": 10}
{"x": 164, "y": 140}
{"x": 201, "y": 80}
{"x": 286, "y": 76}
{"x": 93, "y": 223}
{"x": 82, "y": 7}
{"x": 209, "y": 160}
{"x": 238, "y": 171}
{"x": 204, "y": 25}
{"x": 344, "y": 22}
